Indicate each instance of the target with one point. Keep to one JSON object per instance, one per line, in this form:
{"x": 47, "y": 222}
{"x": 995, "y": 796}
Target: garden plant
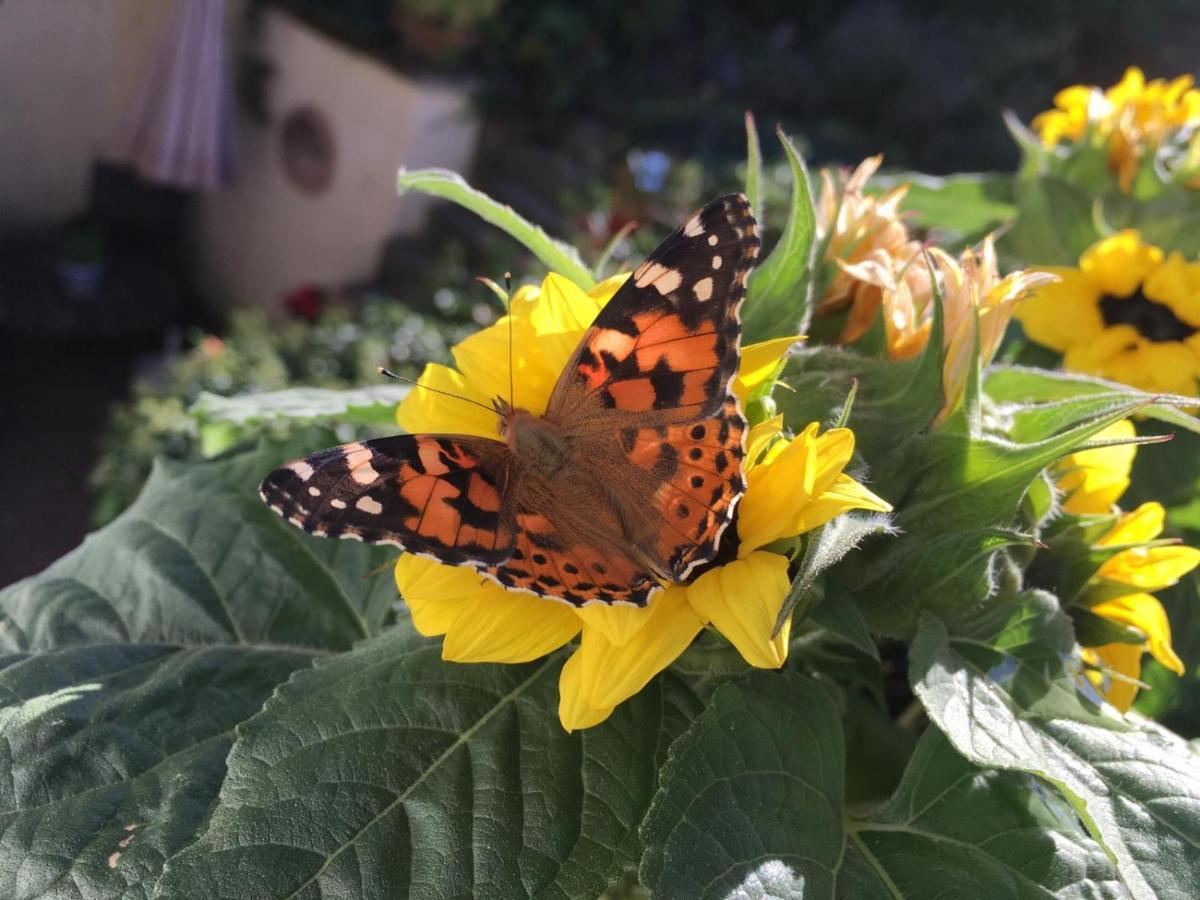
{"x": 932, "y": 659}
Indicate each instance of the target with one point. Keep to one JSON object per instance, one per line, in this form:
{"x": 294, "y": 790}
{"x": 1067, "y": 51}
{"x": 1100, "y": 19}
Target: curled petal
{"x": 1145, "y": 613}
{"x": 759, "y": 362}
{"x": 742, "y": 599}
{"x": 1123, "y": 659}
{"x": 1093, "y": 480}
{"x": 482, "y": 622}
{"x": 602, "y": 674}
{"x": 1143, "y": 524}
{"x": 842, "y": 496}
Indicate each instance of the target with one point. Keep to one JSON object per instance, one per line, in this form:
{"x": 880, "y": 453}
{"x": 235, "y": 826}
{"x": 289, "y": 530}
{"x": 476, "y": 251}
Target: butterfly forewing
{"x": 440, "y": 495}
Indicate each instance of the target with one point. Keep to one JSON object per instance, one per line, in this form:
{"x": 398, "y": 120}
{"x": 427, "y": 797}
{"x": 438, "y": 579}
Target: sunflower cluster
{"x": 1132, "y": 120}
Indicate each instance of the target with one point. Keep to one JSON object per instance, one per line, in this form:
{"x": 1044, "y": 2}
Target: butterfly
{"x": 628, "y": 480}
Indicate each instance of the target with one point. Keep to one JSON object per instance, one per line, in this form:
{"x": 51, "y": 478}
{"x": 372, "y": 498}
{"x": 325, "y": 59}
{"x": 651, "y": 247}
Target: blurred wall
{"x": 68, "y": 69}
{"x": 65, "y": 79}
{"x": 262, "y": 236}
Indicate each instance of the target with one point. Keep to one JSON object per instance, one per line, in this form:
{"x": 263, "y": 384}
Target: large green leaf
{"x": 964, "y": 208}
{"x": 1137, "y": 790}
{"x": 111, "y": 756}
{"x": 385, "y": 772}
{"x": 954, "y": 830}
{"x": 556, "y": 255}
{"x": 200, "y": 559}
{"x": 751, "y": 796}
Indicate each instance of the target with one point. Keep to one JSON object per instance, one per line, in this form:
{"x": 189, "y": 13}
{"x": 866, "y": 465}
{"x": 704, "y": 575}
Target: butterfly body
{"x": 627, "y": 480}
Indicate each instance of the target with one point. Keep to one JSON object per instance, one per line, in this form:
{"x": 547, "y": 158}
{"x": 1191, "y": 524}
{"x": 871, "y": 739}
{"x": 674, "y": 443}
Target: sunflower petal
{"x": 1145, "y": 613}
{"x": 559, "y": 319}
{"x": 759, "y": 362}
{"x": 433, "y": 411}
{"x": 482, "y": 622}
{"x": 1124, "y": 659}
{"x": 573, "y": 710}
{"x": 742, "y": 600}
{"x": 842, "y": 496}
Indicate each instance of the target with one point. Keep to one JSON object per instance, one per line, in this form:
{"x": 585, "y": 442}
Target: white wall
{"x": 262, "y": 237}
{"x": 69, "y": 67}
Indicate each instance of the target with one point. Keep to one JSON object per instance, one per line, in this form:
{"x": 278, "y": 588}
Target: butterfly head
{"x": 537, "y": 445}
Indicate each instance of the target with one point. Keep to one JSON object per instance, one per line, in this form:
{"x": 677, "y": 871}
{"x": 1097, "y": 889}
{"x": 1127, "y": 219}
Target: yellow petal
{"x": 1151, "y": 568}
{"x": 1063, "y": 313}
{"x": 742, "y": 599}
{"x": 603, "y": 674}
{"x": 1145, "y": 613}
{"x": 1120, "y": 263}
{"x": 559, "y": 319}
{"x": 482, "y": 622}
{"x": 423, "y": 411}
{"x": 1093, "y": 480}
{"x": 759, "y": 362}
{"x": 573, "y": 710}
{"x": 604, "y": 290}
{"x": 842, "y": 496}
{"x": 1125, "y": 659}
{"x": 618, "y": 622}
{"x": 790, "y": 477}
{"x": 1143, "y": 524}
{"x": 1176, "y": 283}
{"x": 759, "y": 437}
{"x": 483, "y": 360}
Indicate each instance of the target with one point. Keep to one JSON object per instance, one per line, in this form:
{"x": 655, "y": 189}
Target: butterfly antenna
{"x": 508, "y": 304}
{"x": 390, "y": 374}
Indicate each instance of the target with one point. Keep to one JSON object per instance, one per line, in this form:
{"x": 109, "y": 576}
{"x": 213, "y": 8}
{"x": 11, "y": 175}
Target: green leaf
{"x": 113, "y": 755}
{"x": 556, "y": 255}
{"x": 966, "y": 207}
{"x": 777, "y": 293}
{"x": 370, "y": 405}
{"x": 1137, "y": 791}
{"x": 387, "y": 772}
{"x": 200, "y": 559}
{"x": 1040, "y": 397}
{"x": 894, "y": 400}
{"x": 825, "y": 547}
{"x": 751, "y": 796}
{"x": 838, "y": 614}
{"x": 754, "y": 163}
{"x": 954, "y": 830}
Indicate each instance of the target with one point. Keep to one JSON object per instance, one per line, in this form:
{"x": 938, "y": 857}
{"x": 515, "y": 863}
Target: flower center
{"x": 1154, "y": 321}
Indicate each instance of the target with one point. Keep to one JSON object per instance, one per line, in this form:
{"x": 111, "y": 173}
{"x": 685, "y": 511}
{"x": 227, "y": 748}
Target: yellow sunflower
{"x": 793, "y": 485}
{"x": 1145, "y": 569}
{"x": 1129, "y": 313}
{"x": 1132, "y": 119}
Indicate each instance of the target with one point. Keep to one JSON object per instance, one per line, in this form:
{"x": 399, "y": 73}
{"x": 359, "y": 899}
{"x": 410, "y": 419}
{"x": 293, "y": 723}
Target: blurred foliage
{"x": 341, "y": 348}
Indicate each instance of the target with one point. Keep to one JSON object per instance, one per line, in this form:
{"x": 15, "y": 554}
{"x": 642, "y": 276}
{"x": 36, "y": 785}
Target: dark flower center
{"x": 1154, "y": 321}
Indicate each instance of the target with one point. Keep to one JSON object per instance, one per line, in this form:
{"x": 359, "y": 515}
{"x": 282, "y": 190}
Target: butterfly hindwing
{"x": 440, "y": 495}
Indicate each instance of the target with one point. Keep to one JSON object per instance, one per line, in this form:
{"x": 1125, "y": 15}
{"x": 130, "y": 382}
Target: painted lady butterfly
{"x": 629, "y": 479}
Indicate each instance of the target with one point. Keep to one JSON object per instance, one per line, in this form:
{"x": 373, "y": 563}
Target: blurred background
{"x": 197, "y": 197}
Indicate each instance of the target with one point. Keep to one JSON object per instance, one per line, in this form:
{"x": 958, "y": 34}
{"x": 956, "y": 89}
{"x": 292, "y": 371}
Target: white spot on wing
{"x": 338, "y": 504}
{"x": 693, "y": 227}
{"x": 663, "y": 278}
{"x": 713, "y": 240}
{"x": 717, "y": 262}
{"x": 302, "y": 469}
{"x": 314, "y": 491}
{"x": 369, "y": 505}
{"x": 703, "y": 289}
{"x": 364, "y": 474}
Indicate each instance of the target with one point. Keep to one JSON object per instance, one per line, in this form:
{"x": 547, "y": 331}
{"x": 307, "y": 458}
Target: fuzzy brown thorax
{"x": 538, "y": 446}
